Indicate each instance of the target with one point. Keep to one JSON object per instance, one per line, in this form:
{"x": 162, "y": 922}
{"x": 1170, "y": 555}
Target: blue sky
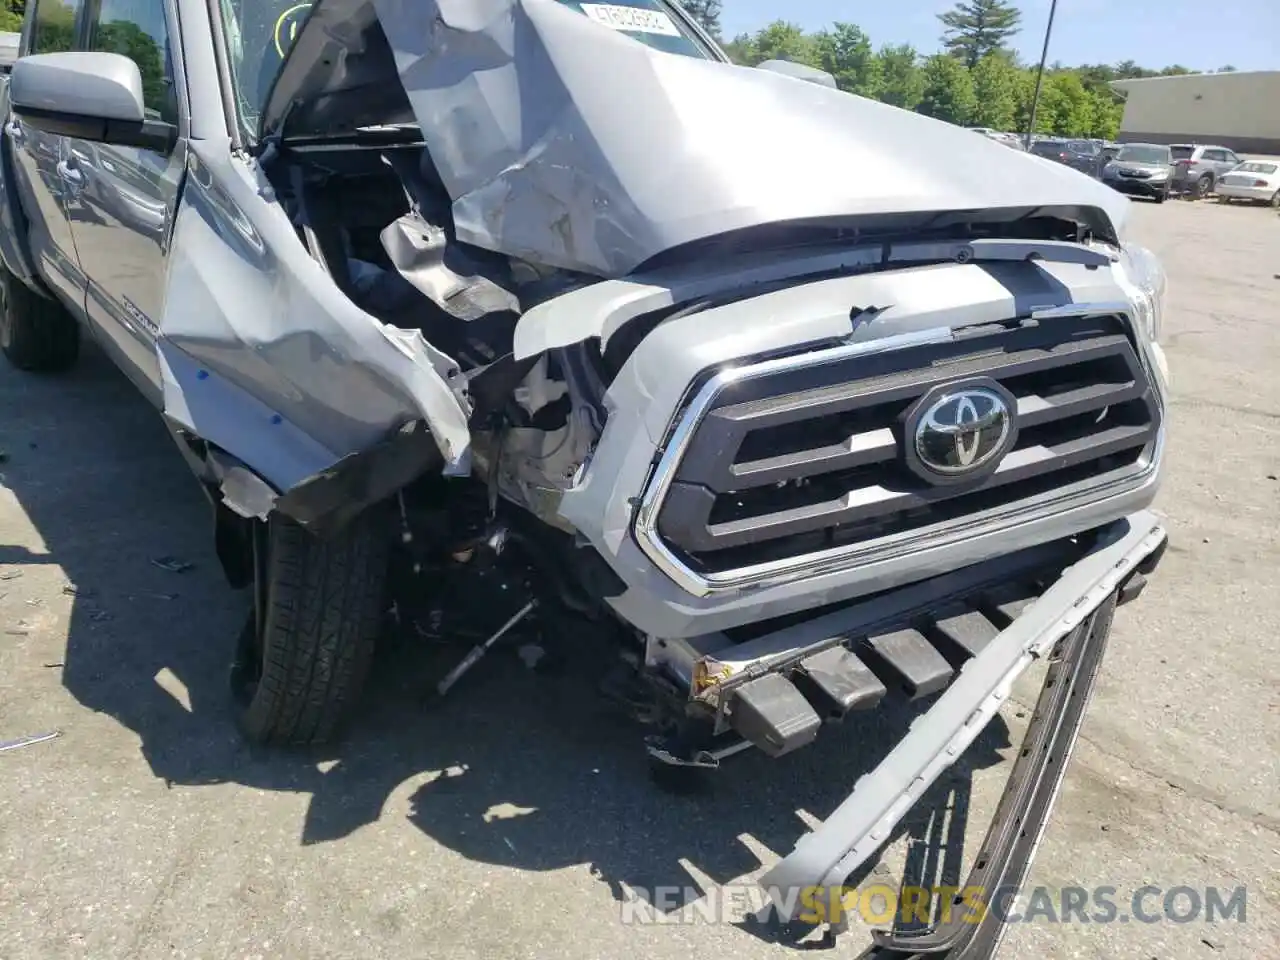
{"x": 1155, "y": 33}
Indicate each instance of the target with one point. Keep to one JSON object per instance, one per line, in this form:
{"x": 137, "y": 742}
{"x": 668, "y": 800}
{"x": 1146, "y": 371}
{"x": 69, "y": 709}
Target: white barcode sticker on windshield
{"x": 631, "y": 19}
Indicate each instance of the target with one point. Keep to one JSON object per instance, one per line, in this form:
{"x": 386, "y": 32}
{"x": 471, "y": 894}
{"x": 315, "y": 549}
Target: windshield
{"x": 1049, "y": 146}
{"x": 1144, "y": 153}
{"x": 1255, "y": 168}
{"x": 260, "y": 32}
{"x": 1083, "y": 146}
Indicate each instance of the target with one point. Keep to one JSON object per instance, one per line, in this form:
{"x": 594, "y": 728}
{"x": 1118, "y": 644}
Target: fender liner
{"x": 325, "y": 502}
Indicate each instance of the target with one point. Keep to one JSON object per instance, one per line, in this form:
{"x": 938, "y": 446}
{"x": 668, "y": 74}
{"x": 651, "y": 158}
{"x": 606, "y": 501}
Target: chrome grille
{"x": 810, "y": 458}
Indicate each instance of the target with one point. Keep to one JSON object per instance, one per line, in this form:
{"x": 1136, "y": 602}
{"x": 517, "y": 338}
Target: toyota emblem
{"x": 960, "y": 431}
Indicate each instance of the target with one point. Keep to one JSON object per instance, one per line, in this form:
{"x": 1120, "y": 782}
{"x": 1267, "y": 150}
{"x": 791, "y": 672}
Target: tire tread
{"x": 44, "y": 337}
{"x": 324, "y": 605}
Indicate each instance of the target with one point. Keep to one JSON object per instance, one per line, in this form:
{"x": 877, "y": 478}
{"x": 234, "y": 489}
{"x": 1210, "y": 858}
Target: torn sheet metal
{"x": 465, "y": 283}
{"x": 263, "y": 356}
{"x": 571, "y": 144}
{"x": 421, "y": 253}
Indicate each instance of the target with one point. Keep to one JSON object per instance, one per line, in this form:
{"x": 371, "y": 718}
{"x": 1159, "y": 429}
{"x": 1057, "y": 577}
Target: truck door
{"x": 123, "y": 207}
{"x": 40, "y": 168}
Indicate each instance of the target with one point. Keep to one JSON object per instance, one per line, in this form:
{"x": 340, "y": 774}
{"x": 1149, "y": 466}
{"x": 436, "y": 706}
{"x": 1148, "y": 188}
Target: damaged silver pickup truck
{"x": 799, "y": 400}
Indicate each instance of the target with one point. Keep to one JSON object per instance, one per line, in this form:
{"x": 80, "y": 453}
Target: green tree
{"x": 1177, "y": 70}
{"x": 845, "y": 52}
{"x": 778, "y": 41}
{"x": 948, "y": 90}
{"x": 1096, "y": 74}
{"x": 10, "y": 22}
{"x": 1066, "y": 106}
{"x": 706, "y": 12}
{"x": 1227, "y": 69}
{"x": 1128, "y": 70}
{"x": 129, "y": 39}
{"x": 1108, "y": 109}
{"x": 55, "y": 27}
{"x": 977, "y": 28}
{"x": 1024, "y": 84}
{"x": 901, "y": 79}
{"x": 995, "y": 85}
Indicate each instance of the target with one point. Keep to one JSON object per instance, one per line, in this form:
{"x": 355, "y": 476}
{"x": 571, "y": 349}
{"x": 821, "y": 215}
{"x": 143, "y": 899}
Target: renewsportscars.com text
{"x": 881, "y": 904}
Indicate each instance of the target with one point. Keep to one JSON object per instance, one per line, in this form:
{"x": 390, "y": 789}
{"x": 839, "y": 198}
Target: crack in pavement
{"x": 1194, "y": 791}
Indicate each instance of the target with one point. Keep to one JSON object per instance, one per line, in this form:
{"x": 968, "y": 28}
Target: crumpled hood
{"x": 569, "y": 144}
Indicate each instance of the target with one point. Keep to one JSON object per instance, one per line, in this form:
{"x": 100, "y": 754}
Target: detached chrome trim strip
{"x": 882, "y": 548}
{"x": 880, "y": 798}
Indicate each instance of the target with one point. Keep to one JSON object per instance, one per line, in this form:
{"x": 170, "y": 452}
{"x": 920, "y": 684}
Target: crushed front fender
{"x": 263, "y": 356}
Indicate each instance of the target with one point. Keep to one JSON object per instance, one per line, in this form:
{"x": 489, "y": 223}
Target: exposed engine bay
{"x": 379, "y": 222}
{"x": 385, "y": 235}
{"x": 496, "y": 544}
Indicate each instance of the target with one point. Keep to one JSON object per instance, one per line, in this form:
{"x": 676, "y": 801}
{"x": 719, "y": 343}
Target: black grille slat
{"x": 866, "y": 503}
{"x": 859, "y": 449}
{"x": 1034, "y": 409}
{"x": 904, "y": 386}
{"x": 813, "y": 458}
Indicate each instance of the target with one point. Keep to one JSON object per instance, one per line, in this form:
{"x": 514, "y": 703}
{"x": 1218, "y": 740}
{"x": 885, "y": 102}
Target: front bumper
{"x": 827, "y": 855}
{"x": 1138, "y": 188}
{"x": 942, "y": 301}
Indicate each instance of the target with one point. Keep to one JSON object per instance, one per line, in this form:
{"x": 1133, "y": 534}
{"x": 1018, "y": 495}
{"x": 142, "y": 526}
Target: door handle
{"x": 14, "y": 130}
{"x": 72, "y": 177}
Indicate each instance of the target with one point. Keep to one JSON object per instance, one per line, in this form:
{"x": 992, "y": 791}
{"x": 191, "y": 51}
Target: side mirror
{"x": 800, "y": 71}
{"x": 89, "y": 96}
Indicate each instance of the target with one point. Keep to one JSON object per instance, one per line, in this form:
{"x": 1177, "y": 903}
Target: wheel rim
{"x": 1275, "y": 199}
{"x": 1203, "y": 186}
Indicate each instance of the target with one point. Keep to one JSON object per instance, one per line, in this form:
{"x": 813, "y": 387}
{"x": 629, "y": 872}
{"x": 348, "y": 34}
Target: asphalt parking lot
{"x": 516, "y": 819}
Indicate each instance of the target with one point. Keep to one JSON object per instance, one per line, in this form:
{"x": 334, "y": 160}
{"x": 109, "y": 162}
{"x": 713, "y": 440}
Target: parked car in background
{"x": 999, "y": 136}
{"x": 8, "y": 50}
{"x": 1078, "y": 154}
{"x": 1254, "y": 180}
{"x": 1197, "y": 167}
{"x": 1142, "y": 170}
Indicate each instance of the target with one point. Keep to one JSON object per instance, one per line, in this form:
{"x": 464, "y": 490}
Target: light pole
{"x": 1044, "y": 53}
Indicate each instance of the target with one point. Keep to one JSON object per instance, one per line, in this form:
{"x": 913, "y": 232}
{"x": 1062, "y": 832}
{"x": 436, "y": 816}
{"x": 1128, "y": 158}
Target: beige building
{"x": 1236, "y": 110}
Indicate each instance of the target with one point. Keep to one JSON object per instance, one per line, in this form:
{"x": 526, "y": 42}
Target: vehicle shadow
{"x": 528, "y": 770}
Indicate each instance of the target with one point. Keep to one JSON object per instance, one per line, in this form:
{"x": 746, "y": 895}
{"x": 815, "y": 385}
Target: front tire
{"x": 1204, "y": 186}
{"x": 36, "y": 334}
{"x": 306, "y": 650}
